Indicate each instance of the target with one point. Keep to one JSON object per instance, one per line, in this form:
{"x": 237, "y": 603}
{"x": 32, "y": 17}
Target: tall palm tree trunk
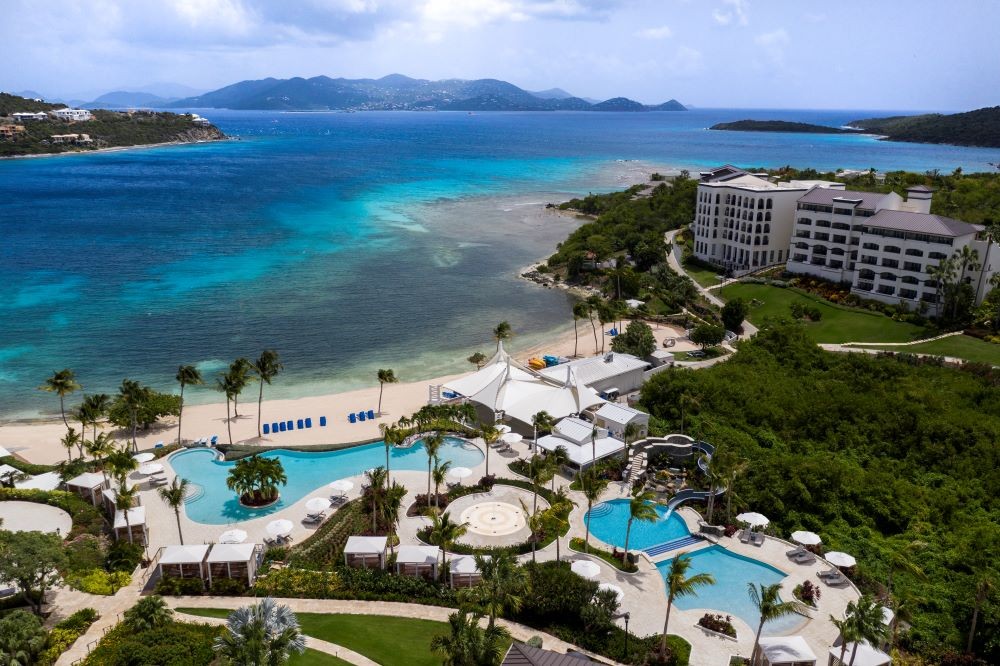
{"x": 229, "y": 422}
{"x": 62, "y": 409}
{"x": 756, "y": 643}
{"x": 666, "y": 623}
{"x": 586, "y": 539}
{"x": 985, "y": 266}
{"x": 180, "y": 534}
{"x": 594, "y": 327}
{"x": 380, "y": 387}
{"x": 180, "y": 416}
{"x": 628, "y": 533}
{"x": 260, "y": 401}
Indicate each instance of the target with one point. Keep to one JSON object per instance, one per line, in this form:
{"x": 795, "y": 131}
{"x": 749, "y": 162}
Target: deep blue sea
{"x": 347, "y": 241}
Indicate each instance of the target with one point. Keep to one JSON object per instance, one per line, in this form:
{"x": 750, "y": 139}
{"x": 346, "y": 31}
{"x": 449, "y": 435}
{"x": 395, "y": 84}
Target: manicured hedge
{"x": 173, "y": 644}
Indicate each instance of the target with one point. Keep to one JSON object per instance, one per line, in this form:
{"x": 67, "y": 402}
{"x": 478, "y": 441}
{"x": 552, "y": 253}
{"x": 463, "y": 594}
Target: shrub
{"x": 173, "y": 644}
{"x": 718, "y": 623}
{"x": 85, "y": 553}
{"x": 65, "y": 633}
{"x": 99, "y": 581}
{"x": 228, "y": 587}
{"x": 174, "y": 587}
{"x": 807, "y": 593}
{"x": 124, "y": 556}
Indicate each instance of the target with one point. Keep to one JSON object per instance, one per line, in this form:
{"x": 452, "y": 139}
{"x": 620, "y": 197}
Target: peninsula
{"x": 780, "y": 126}
{"x": 36, "y": 127}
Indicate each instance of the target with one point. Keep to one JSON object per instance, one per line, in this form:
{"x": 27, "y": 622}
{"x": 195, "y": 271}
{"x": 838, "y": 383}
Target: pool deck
{"x": 645, "y": 596}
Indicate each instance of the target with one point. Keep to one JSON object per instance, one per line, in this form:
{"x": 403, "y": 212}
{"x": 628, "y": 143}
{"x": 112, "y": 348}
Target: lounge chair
{"x": 309, "y": 422}
{"x": 839, "y": 580}
{"x": 274, "y": 427}
{"x": 291, "y": 425}
{"x": 284, "y": 539}
{"x": 361, "y": 416}
{"x": 745, "y": 536}
{"x": 301, "y": 424}
{"x": 270, "y": 542}
{"x": 322, "y": 422}
{"x": 282, "y": 426}
{"x": 371, "y": 414}
{"x": 831, "y": 573}
{"x": 352, "y": 417}
{"x": 758, "y": 539}
{"x": 314, "y": 518}
{"x": 215, "y": 440}
{"x": 795, "y": 552}
{"x": 267, "y": 428}
{"x": 805, "y": 557}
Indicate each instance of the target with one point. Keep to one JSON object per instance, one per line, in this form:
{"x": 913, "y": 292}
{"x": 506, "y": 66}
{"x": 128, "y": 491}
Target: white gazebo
{"x": 786, "y": 651}
{"x": 89, "y": 485}
{"x": 136, "y": 524}
{"x": 239, "y": 561}
{"x": 365, "y": 552}
{"x": 574, "y": 435}
{"x": 183, "y": 561}
{"x": 46, "y": 481}
{"x": 463, "y": 571}
{"x": 866, "y": 655}
{"x": 418, "y": 561}
{"x": 614, "y": 418}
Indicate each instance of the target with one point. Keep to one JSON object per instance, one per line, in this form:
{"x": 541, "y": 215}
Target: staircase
{"x": 661, "y": 548}
{"x": 635, "y": 468}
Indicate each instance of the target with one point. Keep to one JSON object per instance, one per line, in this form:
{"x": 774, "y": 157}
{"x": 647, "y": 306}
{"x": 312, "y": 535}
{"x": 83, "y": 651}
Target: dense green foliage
{"x": 173, "y": 644}
{"x": 779, "y": 126}
{"x": 65, "y": 633}
{"x": 31, "y": 560}
{"x": 13, "y": 103}
{"x": 22, "y": 638}
{"x": 733, "y": 314}
{"x": 872, "y": 453}
{"x": 972, "y": 128}
{"x": 151, "y": 406}
{"x": 637, "y": 339}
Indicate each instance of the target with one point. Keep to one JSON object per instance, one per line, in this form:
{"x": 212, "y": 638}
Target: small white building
{"x": 74, "y": 115}
{"x": 238, "y": 561}
{"x": 365, "y": 552}
{"x": 46, "y": 481}
{"x": 89, "y": 485}
{"x": 660, "y": 357}
{"x": 786, "y": 651}
{"x": 583, "y": 448}
{"x": 418, "y": 561}
{"x": 136, "y": 524}
{"x": 614, "y": 418}
{"x": 22, "y": 116}
{"x": 463, "y": 571}
{"x": 604, "y": 373}
{"x": 183, "y": 561}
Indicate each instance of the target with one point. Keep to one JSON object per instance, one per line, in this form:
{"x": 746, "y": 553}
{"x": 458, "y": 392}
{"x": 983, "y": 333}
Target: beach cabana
{"x": 365, "y": 552}
{"x": 89, "y": 485}
{"x": 463, "y": 571}
{"x": 109, "y": 496}
{"x": 239, "y": 561}
{"x": 46, "y": 481}
{"x": 865, "y": 656}
{"x": 136, "y": 523}
{"x": 418, "y": 561}
{"x": 183, "y": 561}
{"x": 786, "y": 651}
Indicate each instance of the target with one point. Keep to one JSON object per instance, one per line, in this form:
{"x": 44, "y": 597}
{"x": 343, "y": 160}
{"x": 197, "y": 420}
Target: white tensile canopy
{"x": 505, "y": 385}
{"x": 786, "y": 650}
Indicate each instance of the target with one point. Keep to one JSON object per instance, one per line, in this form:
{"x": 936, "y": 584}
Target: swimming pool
{"x": 733, "y": 573}
{"x": 211, "y": 502}
{"x": 609, "y": 520}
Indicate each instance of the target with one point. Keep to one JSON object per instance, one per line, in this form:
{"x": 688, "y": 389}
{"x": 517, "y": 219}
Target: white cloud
{"x": 733, "y": 11}
{"x": 773, "y": 45}
{"x": 662, "y": 32}
{"x": 471, "y": 13}
{"x": 686, "y": 60}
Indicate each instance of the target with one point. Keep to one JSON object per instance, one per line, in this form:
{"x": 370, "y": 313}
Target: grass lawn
{"x": 838, "y": 323}
{"x": 316, "y": 658}
{"x": 706, "y": 277}
{"x": 378, "y": 637}
{"x": 959, "y": 346}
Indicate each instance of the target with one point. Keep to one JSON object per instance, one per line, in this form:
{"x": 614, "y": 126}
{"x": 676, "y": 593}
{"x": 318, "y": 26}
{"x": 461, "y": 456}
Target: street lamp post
{"x": 627, "y": 617}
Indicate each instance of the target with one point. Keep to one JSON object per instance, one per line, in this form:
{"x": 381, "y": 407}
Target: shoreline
{"x": 114, "y": 149}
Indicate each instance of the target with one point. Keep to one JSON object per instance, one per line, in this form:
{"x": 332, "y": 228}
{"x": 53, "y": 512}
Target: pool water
{"x": 609, "y": 521}
{"x": 211, "y": 502}
{"x": 733, "y": 573}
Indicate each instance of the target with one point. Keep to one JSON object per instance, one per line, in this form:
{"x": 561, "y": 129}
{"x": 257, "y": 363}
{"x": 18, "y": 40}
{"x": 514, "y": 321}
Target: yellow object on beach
{"x": 536, "y": 363}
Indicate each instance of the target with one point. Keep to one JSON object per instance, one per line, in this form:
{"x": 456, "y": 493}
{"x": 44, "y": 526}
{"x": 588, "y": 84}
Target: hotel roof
{"x": 786, "y": 650}
{"x": 232, "y": 552}
{"x": 620, "y": 414}
{"x": 417, "y": 555}
{"x": 86, "y": 480}
{"x": 921, "y": 223}
{"x": 136, "y": 516}
{"x": 193, "y": 554}
{"x": 365, "y": 545}
{"x": 827, "y": 197}
{"x": 520, "y": 654}
{"x": 597, "y": 368}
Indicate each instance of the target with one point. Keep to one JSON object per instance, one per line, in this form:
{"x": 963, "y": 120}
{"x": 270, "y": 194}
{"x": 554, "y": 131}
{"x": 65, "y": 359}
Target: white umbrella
{"x": 317, "y": 504}
{"x": 233, "y": 536}
{"x": 143, "y": 457}
{"x": 503, "y": 429}
{"x": 585, "y": 568}
{"x": 150, "y": 468}
{"x": 279, "y": 527}
{"x": 619, "y": 592}
{"x": 839, "y": 559}
{"x": 511, "y": 437}
{"x": 342, "y": 486}
{"x": 753, "y": 519}
{"x": 460, "y": 472}
{"x": 806, "y": 538}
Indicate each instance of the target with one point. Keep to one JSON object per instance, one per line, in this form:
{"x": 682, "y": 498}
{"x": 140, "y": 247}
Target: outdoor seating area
{"x": 463, "y": 571}
{"x": 365, "y": 552}
{"x": 211, "y": 561}
{"x": 418, "y": 561}
{"x": 89, "y": 485}
{"x": 834, "y": 578}
{"x": 291, "y": 425}
{"x": 801, "y": 556}
{"x": 362, "y": 416}
{"x": 132, "y": 527}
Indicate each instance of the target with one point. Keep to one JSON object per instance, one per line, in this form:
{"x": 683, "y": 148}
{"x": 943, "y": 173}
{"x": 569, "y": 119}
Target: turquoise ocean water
{"x": 346, "y": 241}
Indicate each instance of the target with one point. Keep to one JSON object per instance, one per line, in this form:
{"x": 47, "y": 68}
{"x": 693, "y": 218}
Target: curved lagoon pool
{"x": 211, "y": 502}
{"x": 609, "y": 520}
{"x": 733, "y": 573}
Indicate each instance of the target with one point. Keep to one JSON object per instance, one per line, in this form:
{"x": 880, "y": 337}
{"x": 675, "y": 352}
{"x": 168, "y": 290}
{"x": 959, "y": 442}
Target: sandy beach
{"x": 38, "y": 442}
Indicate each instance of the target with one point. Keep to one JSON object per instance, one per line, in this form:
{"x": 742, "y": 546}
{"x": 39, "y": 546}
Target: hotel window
{"x": 870, "y": 246}
{"x": 913, "y": 252}
{"x": 911, "y": 266}
{"x": 891, "y": 248}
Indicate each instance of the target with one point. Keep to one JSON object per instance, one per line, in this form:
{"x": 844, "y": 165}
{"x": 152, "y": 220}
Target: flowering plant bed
{"x": 720, "y": 624}
{"x": 808, "y": 593}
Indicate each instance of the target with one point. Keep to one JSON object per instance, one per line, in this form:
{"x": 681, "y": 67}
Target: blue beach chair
{"x": 274, "y": 427}
{"x": 282, "y": 426}
{"x": 371, "y": 414}
{"x": 322, "y": 422}
{"x": 309, "y": 422}
{"x": 301, "y": 424}
{"x": 361, "y": 416}
{"x": 291, "y": 424}
{"x": 352, "y": 418}
{"x": 215, "y": 440}
{"x": 267, "y": 428}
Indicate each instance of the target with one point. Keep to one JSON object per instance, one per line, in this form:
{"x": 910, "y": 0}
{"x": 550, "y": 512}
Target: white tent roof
{"x": 786, "y": 649}
{"x": 136, "y": 516}
{"x": 4, "y": 452}
{"x": 87, "y": 480}
{"x": 193, "y": 554}
{"x": 417, "y": 554}
{"x": 463, "y": 564}
{"x": 365, "y": 545}
{"x": 7, "y": 469}
{"x": 232, "y": 552}
{"x": 620, "y": 414}
{"x": 598, "y": 368}
{"x": 47, "y": 481}
{"x": 866, "y": 655}
{"x": 504, "y": 384}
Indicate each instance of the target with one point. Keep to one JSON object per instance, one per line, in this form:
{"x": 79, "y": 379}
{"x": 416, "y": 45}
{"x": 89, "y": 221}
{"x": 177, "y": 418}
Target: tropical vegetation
{"x": 256, "y": 479}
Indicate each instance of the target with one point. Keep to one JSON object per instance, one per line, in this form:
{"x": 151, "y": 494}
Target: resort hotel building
{"x": 881, "y": 244}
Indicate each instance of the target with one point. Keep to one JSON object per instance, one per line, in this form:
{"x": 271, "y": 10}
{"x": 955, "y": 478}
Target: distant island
{"x": 401, "y": 93}
{"x": 979, "y": 128}
{"x": 780, "y": 126}
{"x": 35, "y": 127}
{"x": 973, "y": 128}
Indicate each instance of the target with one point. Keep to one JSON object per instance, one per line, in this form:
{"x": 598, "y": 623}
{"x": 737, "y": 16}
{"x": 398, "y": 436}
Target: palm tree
{"x": 468, "y": 644}
{"x": 629, "y": 434}
{"x": 266, "y": 368}
{"x": 640, "y": 507}
{"x": 173, "y": 495}
{"x": 384, "y": 377}
{"x": 124, "y": 499}
{"x": 556, "y": 518}
{"x": 539, "y": 472}
{"x": 121, "y": 463}
{"x": 227, "y": 384}
{"x": 186, "y": 375}
{"x": 97, "y": 407}
{"x": 490, "y": 435}
{"x": 444, "y": 533}
{"x": 592, "y": 486}
{"x": 256, "y": 479}
{"x": 432, "y": 444}
{"x": 391, "y": 436}
{"x": 541, "y": 422}
{"x": 70, "y": 441}
{"x": 867, "y": 623}
{"x": 900, "y": 558}
{"x": 769, "y": 606}
{"x": 942, "y": 274}
{"x": 477, "y": 359}
{"x": 501, "y": 584}
{"x": 594, "y": 432}
{"x": 605, "y": 316}
{"x": 62, "y": 383}
{"x": 966, "y": 258}
{"x": 82, "y": 414}
{"x": 264, "y": 634}
{"x": 239, "y": 373}
{"x": 376, "y": 484}
{"x": 680, "y": 585}
{"x": 133, "y": 395}
{"x": 592, "y": 304}
{"x": 440, "y": 474}
{"x": 580, "y": 311}
{"x": 536, "y": 523}
{"x": 847, "y": 635}
{"x": 98, "y": 448}
{"x": 392, "y": 502}
{"x": 148, "y": 613}
{"x": 502, "y": 332}
{"x": 557, "y": 457}
{"x": 983, "y": 589}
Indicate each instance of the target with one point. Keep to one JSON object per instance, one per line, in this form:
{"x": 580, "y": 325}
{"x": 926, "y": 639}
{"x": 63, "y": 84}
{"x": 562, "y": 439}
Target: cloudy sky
{"x": 856, "y": 54}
